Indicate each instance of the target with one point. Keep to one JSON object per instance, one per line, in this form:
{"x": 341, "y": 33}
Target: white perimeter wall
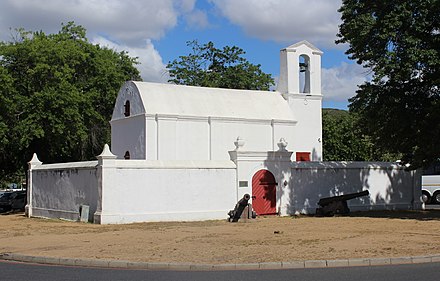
{"x": 125, "y": 191}
{"x": 390, "y": 185}
{"x": 138, "y": 191}
{"x": 58, "y": 190}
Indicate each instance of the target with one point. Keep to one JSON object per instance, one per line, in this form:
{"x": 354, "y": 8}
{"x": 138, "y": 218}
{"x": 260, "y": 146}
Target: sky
{"x": 156, "y": 31}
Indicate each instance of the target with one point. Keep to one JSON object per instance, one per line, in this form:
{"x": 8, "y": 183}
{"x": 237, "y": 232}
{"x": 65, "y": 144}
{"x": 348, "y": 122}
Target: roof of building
{"x": 306, "y": 43}
{"x": 179, "y": 100}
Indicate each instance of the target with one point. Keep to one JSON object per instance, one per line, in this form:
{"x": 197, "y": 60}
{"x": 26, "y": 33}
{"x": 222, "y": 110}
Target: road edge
{"x": 123, "y": 264}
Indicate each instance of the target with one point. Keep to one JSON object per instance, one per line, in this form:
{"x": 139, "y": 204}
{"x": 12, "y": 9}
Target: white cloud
{"x": 131, "y": 25}
{"x": 151, "y": 66}
{"x": 197, "y": 19}
{"x": 285, "y": 20}
{"x": 129, "y": 21}
{"x": 128, "y": 25}
{"x": 185, "y": 6}
{"x": 340, "y": 83}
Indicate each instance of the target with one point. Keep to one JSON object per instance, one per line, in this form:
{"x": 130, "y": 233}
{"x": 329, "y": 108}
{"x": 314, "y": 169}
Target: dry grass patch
{"x": 266, "y": 239}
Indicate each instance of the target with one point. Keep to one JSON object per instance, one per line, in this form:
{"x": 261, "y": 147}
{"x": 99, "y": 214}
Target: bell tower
{"x": 300, "y": 85}
{"x": 300, "y": 69}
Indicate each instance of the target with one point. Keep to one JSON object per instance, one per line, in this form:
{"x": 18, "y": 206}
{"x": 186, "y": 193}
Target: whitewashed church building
{"x": 189, "y": 153}
{"x": 173, "y": 122}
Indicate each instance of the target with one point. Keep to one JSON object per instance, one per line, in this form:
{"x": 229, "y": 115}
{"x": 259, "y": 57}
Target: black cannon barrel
{"x": 234, "y": 215}
{"x": 328, "y": 200}
{"x": 244, "y": 201}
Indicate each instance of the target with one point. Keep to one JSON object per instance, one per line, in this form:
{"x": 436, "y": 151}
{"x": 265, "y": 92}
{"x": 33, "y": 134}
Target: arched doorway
{"x": 264, "y": 196}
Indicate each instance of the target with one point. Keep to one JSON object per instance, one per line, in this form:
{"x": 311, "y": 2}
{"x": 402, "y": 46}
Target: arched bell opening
{"x": 304, "y": 74}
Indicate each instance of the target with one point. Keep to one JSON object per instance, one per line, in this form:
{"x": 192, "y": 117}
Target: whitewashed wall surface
{"x": 390, "y": 185}
{"x": 148, "y": 190}
{"x": 58, "y": 190}
{"x": 125, "y": 191}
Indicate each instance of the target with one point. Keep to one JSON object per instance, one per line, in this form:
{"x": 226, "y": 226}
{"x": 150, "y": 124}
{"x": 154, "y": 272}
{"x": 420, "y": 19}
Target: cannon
{"x": 236, "y": 214}
{"x": 330, "y": 206}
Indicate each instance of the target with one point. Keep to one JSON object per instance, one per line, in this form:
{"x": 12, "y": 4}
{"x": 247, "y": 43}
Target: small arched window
{"x": 127, "y": 108}
{"x": 127, "y": 155}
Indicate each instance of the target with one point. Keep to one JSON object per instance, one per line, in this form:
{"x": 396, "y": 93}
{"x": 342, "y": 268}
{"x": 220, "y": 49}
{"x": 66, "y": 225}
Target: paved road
{"x": 12, "y": 271}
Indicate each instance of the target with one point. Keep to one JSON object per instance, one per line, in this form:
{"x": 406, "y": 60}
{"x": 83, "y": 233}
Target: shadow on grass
{"x": 422, "y": 215}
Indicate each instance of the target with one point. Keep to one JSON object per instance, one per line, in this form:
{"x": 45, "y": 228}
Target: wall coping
{"x": 67, "y": 165}
{"x": 346, "y": 165}
{"x": 143, "y": 164}
{"x": 214, "y": 164}
{"x": 174, "y": 164}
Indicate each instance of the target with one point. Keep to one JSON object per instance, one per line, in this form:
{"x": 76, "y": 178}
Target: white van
{"x": 431, "y": 189}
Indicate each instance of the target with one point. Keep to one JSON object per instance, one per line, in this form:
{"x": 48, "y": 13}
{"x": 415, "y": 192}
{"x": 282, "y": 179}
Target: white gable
{"x": 305, "y": 43}
{"x": 177, "y": 100}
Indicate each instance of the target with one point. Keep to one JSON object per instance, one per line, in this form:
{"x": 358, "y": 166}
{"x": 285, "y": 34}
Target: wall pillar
{"x": 106, "y": 169}
{"x": 417, "y": 203}
{"x": 35, "y": 162}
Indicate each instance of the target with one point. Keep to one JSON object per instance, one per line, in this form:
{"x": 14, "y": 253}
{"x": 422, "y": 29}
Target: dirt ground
{"x": 265, "y": 239}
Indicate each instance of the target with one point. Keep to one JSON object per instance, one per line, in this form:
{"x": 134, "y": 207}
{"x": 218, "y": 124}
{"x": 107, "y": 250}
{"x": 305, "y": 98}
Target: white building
{"x": 173, "y": 122}
{"x": 193, "y": 152}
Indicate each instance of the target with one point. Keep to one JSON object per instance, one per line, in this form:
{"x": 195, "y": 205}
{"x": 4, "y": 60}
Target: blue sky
{"x": 156, "y": 31}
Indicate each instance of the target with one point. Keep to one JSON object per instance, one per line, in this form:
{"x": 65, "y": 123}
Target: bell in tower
{"x": 304, "y": 74}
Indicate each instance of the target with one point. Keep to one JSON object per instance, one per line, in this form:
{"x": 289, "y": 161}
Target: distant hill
{"x": 335, "y": 112}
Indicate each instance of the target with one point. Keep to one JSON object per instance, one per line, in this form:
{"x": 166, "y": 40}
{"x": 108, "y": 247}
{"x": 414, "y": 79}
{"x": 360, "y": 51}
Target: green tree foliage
{"x": 57, "y": 96}
{"x": 342, "y": 139}
{"x": 400, "y": 42}
{"x": 207, "y": 66}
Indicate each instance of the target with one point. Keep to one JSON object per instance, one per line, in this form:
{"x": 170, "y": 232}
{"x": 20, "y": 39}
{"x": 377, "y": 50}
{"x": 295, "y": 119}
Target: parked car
{"x": 15, "y": 200}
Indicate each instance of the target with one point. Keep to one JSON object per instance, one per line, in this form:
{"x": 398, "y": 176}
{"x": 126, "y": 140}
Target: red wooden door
{"x": 264, "y": 194}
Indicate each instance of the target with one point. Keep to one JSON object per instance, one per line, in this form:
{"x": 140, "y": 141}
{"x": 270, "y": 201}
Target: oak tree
{"x": 344, "y": 140}
{"x": 57, "y": 96}
{"x": 399, "y": 42}
{"x": 208, "y": 66}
